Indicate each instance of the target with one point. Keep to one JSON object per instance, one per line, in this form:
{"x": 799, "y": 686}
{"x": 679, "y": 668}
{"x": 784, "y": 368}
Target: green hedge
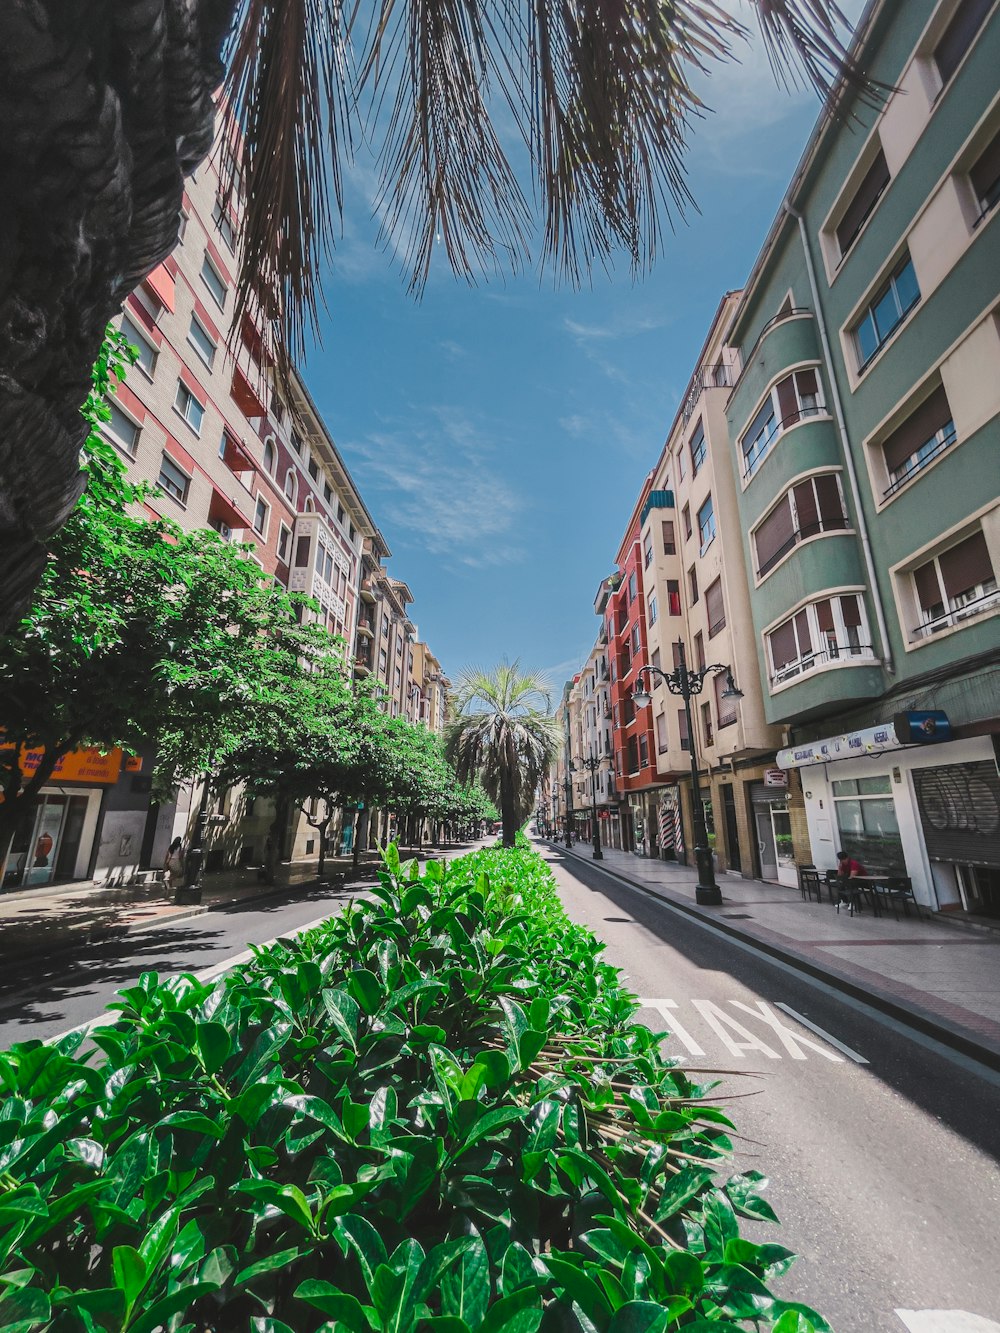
{"x": 433, "y": 1112}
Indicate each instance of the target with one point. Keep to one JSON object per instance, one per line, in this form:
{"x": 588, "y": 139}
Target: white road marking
{"x": 208, "y": 974}
{"x": 822, "y": 1032}
{"x": 946, "y": 1321}
{"x": 715, "y": 1016}
{"x": 791, "y": 1041}
{"x": 677, "y": 1029}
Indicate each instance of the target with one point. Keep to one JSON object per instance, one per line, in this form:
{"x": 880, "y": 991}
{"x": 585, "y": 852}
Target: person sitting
{"x": 848, "y": 867}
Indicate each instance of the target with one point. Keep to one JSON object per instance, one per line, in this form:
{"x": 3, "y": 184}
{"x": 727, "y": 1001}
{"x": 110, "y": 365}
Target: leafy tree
{"x": 503, "y": 734}
{"x": 139, "y": 633}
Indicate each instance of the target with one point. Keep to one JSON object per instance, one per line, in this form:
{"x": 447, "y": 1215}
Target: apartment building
{"x": 865, "y": 421}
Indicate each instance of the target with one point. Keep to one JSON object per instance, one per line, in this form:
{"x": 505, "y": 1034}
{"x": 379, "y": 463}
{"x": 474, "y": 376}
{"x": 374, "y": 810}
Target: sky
{"x": 500, "y": 433}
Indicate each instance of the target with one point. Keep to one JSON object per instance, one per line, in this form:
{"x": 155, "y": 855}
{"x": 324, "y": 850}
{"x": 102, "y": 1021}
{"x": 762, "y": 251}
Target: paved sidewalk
{"x": 42, "y": 921}
{"x": 942, "y": 977}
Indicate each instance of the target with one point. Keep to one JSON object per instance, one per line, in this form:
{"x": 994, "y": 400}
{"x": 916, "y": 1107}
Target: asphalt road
{"x": 882, "y": 1148}
{"x": 885, "y": 1174}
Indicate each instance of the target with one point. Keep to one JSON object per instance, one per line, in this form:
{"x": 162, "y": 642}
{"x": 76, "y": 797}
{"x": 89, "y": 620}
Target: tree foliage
{"x": 504, "y": 735}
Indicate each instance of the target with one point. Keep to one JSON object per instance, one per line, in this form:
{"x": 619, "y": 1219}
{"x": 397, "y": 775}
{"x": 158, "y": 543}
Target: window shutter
{"x": 805, "y": 506}
{"x": 965, "y": 565}
{"x": 774, "y": 536}
{"x": 782, "y": 641}
{"x": 788, "y": 404}
{"x": 831, "y": 509}
{"x": 850, "y": 609}
{"x": 985, "y": 175}
{"x": 824, "y": 616}
{"x": 715, "y": 606}
{"x": 682, "y": 723}
{"x": 919, "y": 427}
{"x": 661, "y": 731}
{"x": 866, "y": 197}
{"x": 928, "y": 588}
{"x": 959, "y": 36}
{"x": 802, "y": 629}
{"x": 807, "y": 382}
{"x": 668, "y": 538}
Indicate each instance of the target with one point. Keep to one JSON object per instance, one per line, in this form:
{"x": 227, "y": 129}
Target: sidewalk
{"x": 939, "y": 976}
{"x": 67, "y": 916}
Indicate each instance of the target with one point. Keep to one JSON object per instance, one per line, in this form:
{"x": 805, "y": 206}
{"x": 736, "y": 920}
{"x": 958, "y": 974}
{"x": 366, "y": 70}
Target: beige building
{"x": 698, "y": 602}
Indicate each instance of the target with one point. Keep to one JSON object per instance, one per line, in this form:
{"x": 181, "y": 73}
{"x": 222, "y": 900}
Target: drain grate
{"x": 737, "y": 916}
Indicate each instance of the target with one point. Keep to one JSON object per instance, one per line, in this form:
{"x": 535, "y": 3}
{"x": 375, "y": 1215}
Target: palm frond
{"x": 598, "y": 92}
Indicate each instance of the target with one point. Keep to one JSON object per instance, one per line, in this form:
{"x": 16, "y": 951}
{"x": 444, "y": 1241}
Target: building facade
{"x": 865, "y": 422}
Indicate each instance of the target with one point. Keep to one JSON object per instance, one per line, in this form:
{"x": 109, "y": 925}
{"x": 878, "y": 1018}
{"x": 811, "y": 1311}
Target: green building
{"x": 865, "y": 430}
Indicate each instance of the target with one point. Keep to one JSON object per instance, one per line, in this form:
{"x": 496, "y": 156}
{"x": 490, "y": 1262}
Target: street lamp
{"x": 593, "y": 764}
{"x": 686, "y": 684}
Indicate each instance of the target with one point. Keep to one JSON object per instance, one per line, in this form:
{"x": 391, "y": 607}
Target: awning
{"x": 161, "y": 284}
{"x": 235, "y": 455}
{"x": 221, "y": 509}
{"x": 905, "y": 730}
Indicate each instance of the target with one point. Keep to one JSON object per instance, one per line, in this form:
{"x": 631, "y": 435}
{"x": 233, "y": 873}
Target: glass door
{"x": 781, "y": 831}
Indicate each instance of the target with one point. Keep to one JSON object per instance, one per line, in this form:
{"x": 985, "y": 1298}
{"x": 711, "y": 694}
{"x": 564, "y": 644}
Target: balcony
{"x": 976, "y": 606}
{"x": 717, "y": 376}
{"x": 834, "y": 652}
{"x": 367, "y": 591}
{"x": 656, "y": 500}
{"x": 365, "y": 630}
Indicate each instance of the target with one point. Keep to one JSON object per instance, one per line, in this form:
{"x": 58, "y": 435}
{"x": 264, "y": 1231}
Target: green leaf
{"x": 129, "y": 1269}
{"x": 366, "y": 989}
{"x": 793, "y": 1322}
{"x": 270, "y": 1263}
{"x": 640, "y": 1317}
{"x": 344, "y": 1015}
{"x": 215, "y": 1045}
{"x": 166, "y": 1307}
{"x": 330, "y": 1300}
{"x": 580, "y": 1288}
{"x": 465, "y": 1285}
{"x": 361, "y": 1237}
{"x": 23, "y": 1308}
{"x": 520, "y": 1312}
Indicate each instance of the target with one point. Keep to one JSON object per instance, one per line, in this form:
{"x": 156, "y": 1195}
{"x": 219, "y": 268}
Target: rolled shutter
{"x": 775, "y": 536}
{"x": 966, "y": 565}
{"x": 932, "y": 415}
{"x": 788, "y": 404}
{"x": 850, "y": 609}
{"x": 928, "y": 586}
{"x": 802, "y": 629}
{"x": 782, "y": 641}
{"x": 715, "y": 606}
{"x": 805, "y": 506}
{"x": 959, "y": 809}
{"x": 831, "y": 507}
{"x": 824, "y": 615}
{"x": 875, "y": 180}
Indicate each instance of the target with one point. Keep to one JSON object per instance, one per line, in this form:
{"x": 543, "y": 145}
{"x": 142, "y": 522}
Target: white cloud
{"x": 437, "y": 482}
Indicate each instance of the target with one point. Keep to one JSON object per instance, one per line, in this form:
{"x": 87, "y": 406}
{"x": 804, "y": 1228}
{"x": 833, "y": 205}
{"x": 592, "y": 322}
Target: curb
{"x": 922, "y": 1020}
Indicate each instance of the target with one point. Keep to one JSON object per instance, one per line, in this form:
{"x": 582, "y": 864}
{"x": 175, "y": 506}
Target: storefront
{"x": 772, "y": 828}
{"x": 54, "y": 840}
{"x": 927, "y": 810}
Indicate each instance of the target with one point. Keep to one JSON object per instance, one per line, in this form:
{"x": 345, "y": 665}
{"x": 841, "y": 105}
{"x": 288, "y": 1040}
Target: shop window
{"x": 955, "y": 586}
{"x": 884, "y": 314}
{"x": 866, "y": 824}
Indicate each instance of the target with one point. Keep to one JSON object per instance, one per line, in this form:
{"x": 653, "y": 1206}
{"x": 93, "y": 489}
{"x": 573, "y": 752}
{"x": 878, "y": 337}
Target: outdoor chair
{"x": 899, "y": 889}
{"x": 809, "y": 883}
{"x": 850, "y": 895}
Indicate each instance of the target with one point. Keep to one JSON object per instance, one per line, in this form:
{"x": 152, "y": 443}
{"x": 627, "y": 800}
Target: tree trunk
{"x": 508, "y": 812}
{"x": 275, "y": 848}
{"x": 360, "y": 834}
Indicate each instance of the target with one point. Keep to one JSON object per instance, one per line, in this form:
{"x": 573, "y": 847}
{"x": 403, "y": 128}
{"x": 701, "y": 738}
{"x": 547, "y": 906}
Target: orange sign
{"x": 133, "y": 763}
{"x": 78, "y": 766}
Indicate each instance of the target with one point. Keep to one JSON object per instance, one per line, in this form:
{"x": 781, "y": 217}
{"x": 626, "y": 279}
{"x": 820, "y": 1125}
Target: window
{"x": 647, "y": 550}
{"x": 173, "y": 480}
{"x": 699, "y": 651}
{"x": 313, "y": 469}
{"x": 270, "y": 456}
{"x": 302, "y": 553}
{"x": 182, "y": 225}
{"x": 673, "y": 597}
{"x": 351, "y": 532}
{"x": 643, "y": 752}
{"x": 924, "y": 435}
{"x": 697, "y": 449}
{"x": 886, "y": 312}
{"x": 861, "y": 207}
{"x": 959, "y": 36}
{"x": 866, "y": 823}
{"x": 651, "y": 608}
{"x": 222, "y": 220}
{"x": 200, "y": 340}
{"x": 636, "y": 639}
{"x": 188, "y": 406}
{"x": 633, "y": 587}
{"x": 825, "y": 631}
{"x": 686, "y": 516}
{"x": 260, "y": 517}
{"x": 706, "y": 525}
{"x": 680, "y": 464}
{"x": 291, "y": 485}
{"x": 706, "y": 724}
{"x": 147, "y": 352}
{"x": 121, "y": 430}
{"x": 669, "y": 547}
{"x": 677, "y": 653}
{"x": 725, "y": 709}
{"x": 212, "y": 279}
{"x": 985, "y": 178}
{"x": 955, "y": 585}
{"x": 682, "y": 726}
{"x": 812, "y": 507}
{"x": 284, "y": 542}
{"x": 662, "y": 740}
{"x": 340, "y": 513}
{"x": 327, "y": 492}
{"x": 790, "y": 401}
{"x": 693, "y": 584}
{"x": 715, "y": 608}
{"x": 633, "y": 754}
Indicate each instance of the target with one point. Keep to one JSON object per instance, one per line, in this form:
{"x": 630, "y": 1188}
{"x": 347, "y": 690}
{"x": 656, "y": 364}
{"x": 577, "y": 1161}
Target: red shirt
{"x": 850, "y": 867}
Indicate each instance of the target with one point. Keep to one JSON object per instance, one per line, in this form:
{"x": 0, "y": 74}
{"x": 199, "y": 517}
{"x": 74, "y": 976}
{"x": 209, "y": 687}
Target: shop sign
{"x": 775, "y": 777}
{"x": 79, "y": 766}
{"x": 906, "y": 729}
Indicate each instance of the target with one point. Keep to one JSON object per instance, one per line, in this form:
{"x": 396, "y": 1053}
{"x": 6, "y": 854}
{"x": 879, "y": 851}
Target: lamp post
{"x": 593, "y": 763}
{"x": 686, "y": 684}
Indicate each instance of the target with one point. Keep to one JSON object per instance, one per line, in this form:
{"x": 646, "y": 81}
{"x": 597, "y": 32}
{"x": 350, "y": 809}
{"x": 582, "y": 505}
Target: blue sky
{"x": 500, "y": 433}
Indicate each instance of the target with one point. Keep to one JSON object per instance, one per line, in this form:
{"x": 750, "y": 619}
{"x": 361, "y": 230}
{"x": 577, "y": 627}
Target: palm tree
{"x": 504, "y": 734}
{"x": 597, "y": 92}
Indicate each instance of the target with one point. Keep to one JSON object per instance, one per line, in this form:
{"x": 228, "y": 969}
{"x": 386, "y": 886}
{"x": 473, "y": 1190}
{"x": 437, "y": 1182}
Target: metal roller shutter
{"x": 960, "y": 812}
